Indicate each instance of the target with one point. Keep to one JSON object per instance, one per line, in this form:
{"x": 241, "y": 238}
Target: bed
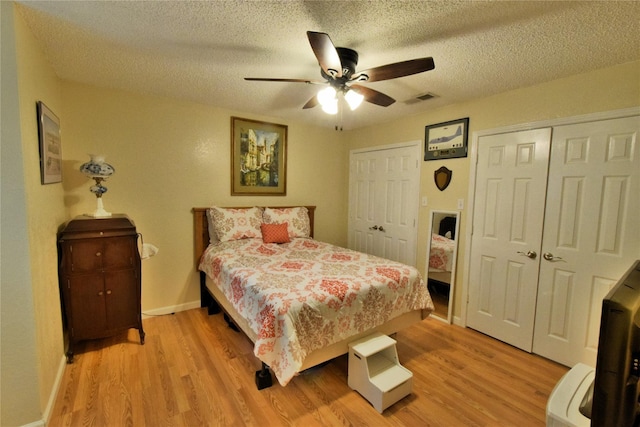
{"x": 301, "y": 302}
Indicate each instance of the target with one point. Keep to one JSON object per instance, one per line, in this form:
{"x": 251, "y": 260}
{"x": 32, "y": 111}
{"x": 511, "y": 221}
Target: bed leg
{"x": 230, "y": 324}
{"x": 263, "y": 377}
{"x": 206, "y": 300}
{"x": 204, "y": 294}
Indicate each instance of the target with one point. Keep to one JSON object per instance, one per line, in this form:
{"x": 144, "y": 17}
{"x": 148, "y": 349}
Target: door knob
{"x": 381, "y": 229}
{"x": 375, "y": 227}
{"x": 529, "y": 254}
{"x": 549, "y": 257}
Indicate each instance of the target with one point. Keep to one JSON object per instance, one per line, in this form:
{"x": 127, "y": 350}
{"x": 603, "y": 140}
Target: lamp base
{"x": 100, "y": 212}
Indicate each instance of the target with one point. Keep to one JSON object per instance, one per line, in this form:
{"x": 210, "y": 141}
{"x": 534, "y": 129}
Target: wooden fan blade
{"x": 373, "y": 96}
{"x": 311, "y": 103}
{"x": 326, "y": 53}
{"x": 261, "y": 79}
{"x": 395, "y": 70}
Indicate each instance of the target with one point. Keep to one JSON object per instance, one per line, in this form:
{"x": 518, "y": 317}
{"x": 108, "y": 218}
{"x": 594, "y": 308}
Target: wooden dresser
{"x": 100, "y": 278}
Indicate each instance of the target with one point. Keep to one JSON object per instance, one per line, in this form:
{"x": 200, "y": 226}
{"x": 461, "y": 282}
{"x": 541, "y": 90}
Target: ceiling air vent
{"x": 426, "y": 96}
{"x": 420, "y": 98}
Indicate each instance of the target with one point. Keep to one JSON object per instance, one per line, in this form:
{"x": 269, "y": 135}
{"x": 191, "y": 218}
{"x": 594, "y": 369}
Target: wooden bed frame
{"x": 214, "y": 300}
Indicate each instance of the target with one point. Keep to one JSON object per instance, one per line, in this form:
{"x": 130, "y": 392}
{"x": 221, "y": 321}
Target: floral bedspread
{"x": 305, "y": 295}
{"x": 441, "y": 253}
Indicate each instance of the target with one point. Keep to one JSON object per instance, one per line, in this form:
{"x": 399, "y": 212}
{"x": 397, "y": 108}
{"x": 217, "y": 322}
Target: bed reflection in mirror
{"x": 441, "y": 261}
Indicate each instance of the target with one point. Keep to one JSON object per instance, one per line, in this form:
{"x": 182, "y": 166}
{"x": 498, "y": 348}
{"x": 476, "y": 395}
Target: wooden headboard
{"x": 201, "y": 227}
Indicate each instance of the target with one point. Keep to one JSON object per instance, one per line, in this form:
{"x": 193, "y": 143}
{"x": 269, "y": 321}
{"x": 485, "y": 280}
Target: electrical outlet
{"x": 460, "y": 204}
{"x": 424, "y": 200}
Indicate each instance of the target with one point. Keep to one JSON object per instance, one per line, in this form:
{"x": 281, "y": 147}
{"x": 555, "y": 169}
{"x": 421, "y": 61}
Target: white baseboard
{"x": 457, "y": 320}
{"x": 170, "y": 309}
{"x": 52, "y": 397}
{"x": 39, "y": 423}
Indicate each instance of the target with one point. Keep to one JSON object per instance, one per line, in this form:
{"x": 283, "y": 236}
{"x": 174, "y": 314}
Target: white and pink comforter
{"x": 305, "y": 295}
{"x": 441, "y": 253}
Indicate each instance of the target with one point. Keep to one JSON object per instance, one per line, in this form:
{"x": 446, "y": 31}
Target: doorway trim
{"x": 473, "y": 159}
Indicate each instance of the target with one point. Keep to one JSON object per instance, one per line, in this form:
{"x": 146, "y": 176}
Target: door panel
{"x": 508, "y": 214}
{"x": 384, "y": 190}
{"x": 362, "y": 202}
{"x": 399, "y": 205}
{"x": 591, "y": 229}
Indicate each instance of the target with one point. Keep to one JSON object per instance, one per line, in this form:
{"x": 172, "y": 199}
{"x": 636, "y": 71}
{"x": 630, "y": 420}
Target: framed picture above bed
{"x": 258, "y": 158}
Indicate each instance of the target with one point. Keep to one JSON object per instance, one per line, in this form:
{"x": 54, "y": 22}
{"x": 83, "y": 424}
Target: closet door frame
{"x": 473, "y": 159}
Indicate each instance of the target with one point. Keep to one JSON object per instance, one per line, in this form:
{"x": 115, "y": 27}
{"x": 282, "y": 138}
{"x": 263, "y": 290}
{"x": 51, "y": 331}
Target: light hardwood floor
{"x": 194, "y": 370}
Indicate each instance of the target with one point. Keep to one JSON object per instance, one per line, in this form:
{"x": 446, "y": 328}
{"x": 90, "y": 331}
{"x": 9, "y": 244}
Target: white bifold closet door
{"x": 591, "y": 233}
{"x": 556, "y": 257}
{"x": 384, "y": 189}
{"x": 508, "y": 217}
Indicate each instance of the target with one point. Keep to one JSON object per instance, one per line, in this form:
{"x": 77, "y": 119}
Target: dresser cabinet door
{"x": 84, "y": 256}
{"x": 121, "y": 294}
{"x": 87, "y": 306}
{"x": 118, "y": 252}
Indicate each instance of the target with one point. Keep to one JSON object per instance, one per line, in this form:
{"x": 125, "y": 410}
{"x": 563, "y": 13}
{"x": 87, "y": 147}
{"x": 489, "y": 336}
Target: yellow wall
{"x": 45, "y": 208}
{"x": 602, "y": 90}
{"x": 170, "y": 156}
{"x": 20, "y": 382}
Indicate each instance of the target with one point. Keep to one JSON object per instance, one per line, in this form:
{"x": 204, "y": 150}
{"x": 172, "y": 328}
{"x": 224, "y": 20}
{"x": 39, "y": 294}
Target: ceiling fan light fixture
{"x": 330, "y": 107}
{"x": 327, "y": 97}
{"x": 353, "y": 98}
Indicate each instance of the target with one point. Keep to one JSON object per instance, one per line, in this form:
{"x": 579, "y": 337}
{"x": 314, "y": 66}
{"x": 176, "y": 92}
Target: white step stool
{"x": 375, "y": 373}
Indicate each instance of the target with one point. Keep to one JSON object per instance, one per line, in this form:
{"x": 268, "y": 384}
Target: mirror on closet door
{"x": 441, "y": 261}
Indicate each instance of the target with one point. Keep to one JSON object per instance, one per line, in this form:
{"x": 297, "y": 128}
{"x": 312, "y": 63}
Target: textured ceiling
{"x": 201, "y": 51}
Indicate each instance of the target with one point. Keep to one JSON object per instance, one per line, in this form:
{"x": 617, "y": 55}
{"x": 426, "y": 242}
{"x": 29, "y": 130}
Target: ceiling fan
{"x": 338, "y": 68}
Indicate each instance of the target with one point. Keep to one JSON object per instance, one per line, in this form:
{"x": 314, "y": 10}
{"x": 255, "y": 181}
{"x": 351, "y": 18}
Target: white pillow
{"x": 297, "y": 218}
{"x": 236, "y": 224}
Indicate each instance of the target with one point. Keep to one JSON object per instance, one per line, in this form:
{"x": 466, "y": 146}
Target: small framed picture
{"x": 258, "y": 158}
{"x": 446, "y": 140}
{"x": 50, "y": 145}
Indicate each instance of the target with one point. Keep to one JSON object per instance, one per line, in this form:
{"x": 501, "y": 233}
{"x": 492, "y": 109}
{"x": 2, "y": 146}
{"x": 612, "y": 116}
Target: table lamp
{"x": 99, "y": 170}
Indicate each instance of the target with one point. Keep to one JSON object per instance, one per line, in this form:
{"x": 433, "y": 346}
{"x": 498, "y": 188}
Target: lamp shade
{"x": 327, "y": 96}
{"x": 97, "y": 167}
{"x": 353, "y": 98}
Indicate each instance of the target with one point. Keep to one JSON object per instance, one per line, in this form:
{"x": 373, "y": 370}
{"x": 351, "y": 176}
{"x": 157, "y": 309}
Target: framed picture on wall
{"x": 258, "y": 158}
{"x": 50, "y": 145}
{"x": 446, "y": 140}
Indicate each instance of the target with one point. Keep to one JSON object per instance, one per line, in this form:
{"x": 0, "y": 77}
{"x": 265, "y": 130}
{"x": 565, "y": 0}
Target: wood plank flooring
{"x": 195, "y": 371}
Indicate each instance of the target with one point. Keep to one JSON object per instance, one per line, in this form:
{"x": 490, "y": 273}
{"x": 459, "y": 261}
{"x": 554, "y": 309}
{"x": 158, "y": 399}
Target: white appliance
{"x": 570, "y": 399}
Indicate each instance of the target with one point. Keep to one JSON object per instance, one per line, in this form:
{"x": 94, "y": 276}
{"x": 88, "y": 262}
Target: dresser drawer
{"x": 99, "y": 254}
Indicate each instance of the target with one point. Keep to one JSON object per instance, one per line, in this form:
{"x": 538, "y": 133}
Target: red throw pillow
{"x": 275, "y": 233}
